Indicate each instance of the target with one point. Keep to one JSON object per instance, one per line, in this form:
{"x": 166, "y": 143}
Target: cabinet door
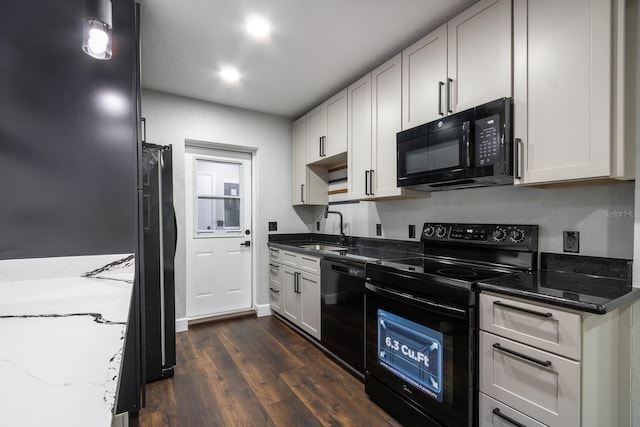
{"x": 534, "y": 382}
{"x": 290, "y": 296}
{"x": 424, "y": 76}
{"x": 387, "y": 122}
{"x": 479, "y": 55}
{"x": 336, "y": 135}
{"x": 562, "y": 89}
{"x": 359, "y": 138}
{"x": 316, "y": 130}
{"x": 310, "y": 302}
{"x": 299, "y": 166}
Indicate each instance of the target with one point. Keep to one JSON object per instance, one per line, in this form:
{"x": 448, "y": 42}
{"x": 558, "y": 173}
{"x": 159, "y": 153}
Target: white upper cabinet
{"x": 375, "y": 117}
{"x": 479, "y": 55}
{"x": 309, "y": 184}
{"x": 424, "y": 76}
{"x": 569, "y": 106}
{"x": 386, "y": 86}
{"x": 359, "y": 138}
{"x": 462, "y": 64}
{"x": 327, "y": 129}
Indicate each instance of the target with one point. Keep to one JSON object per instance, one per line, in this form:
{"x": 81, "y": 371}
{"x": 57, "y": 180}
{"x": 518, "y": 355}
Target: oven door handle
{"x": 417, "y": 301}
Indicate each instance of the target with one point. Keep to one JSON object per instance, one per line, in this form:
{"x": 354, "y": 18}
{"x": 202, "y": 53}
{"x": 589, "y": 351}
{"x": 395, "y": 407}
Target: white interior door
{"x": 218, "y": 213}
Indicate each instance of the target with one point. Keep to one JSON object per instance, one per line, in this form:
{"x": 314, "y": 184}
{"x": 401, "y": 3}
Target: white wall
{"x": 172, "y": 119}
{"x": 603, "y": 214}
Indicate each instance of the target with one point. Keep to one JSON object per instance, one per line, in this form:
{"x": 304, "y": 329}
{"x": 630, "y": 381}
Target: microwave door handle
{"x": 466, "y": 137}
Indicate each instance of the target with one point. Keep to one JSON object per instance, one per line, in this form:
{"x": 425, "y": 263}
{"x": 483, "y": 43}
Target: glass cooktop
{"x": 445, "y": 268}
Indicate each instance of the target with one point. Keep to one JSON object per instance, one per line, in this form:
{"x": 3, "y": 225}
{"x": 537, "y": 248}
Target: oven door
{"x": 420, "y": 351}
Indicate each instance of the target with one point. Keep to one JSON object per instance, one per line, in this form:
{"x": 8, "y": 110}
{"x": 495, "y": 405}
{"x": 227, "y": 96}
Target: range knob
{"x": 499, "y": 234}
{"x": 441, "y": 231}
{"x": 429, "y": 230}
{"x": 517, "y": 235}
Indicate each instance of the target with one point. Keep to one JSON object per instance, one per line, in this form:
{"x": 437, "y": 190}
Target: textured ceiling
{"x": 317, "y": 47}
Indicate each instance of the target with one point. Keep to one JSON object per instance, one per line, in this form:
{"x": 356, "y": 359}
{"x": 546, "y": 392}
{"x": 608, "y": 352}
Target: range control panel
{"x": 496, "y": 235}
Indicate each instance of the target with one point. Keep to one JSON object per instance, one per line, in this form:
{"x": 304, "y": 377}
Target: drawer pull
{"x": 274, "y": 290}
{"x": 526, "y": 310}
{"x": 275, "y": 266}
{"x": 545, "y": 363}
{"x": 497, "y": 412}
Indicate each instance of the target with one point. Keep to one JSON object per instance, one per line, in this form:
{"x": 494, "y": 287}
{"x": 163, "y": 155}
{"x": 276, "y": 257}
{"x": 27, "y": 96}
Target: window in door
{"x": 217, "y": 199}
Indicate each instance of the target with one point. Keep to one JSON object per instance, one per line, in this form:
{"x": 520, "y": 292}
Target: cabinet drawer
{"x": 275, "y": 274}
{"x": 275, "y": 255}
{"x": 541, "y": 384}
{"x": 497, "y": 414}
{"x": 290, "y": 258}
{"x": 275, "y": 298}
{"x": 310, "y": 264}
{"x": 547, "y": 328}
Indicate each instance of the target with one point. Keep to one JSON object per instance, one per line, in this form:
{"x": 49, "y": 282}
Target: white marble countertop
{"x": 62, "y": 332}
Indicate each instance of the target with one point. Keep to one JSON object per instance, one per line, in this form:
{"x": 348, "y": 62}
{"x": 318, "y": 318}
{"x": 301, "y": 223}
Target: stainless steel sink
{"x": 323, "y": 247}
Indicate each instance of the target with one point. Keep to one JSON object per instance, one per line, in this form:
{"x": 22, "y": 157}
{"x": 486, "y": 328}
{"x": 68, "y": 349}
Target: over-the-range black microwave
{"x": 472, "y": 148}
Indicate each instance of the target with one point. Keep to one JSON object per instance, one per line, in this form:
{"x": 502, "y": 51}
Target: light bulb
{"x": 98, "y": 41}
{"x": 258, "y": 27}
{"x": 230, "y": 75}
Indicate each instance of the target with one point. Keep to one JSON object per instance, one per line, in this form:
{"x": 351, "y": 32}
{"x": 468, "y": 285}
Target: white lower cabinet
{"x": 532, "y": 381}
{"x": 297, "y": 294}
{"x": 493, "y": 413}
{"x": 541, "y": 365}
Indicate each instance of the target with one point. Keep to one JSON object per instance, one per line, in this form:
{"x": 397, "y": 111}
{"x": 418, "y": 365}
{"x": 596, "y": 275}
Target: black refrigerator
{"x": 159, "y": 243}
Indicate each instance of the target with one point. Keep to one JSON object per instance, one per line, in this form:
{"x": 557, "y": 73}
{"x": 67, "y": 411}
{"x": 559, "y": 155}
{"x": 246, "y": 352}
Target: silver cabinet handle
{"x": 371, "y": 182}
{"x": 275, "y": 266}
{"x": 324, "y": 146}
{"x": 274, "y": 290}
{"x": 440, "y": 86}
{"x": 544, "y": 363}
{"x": 302, "y": 193}
{"x": 449, "y": 103}
{"x": 320, "y": 146}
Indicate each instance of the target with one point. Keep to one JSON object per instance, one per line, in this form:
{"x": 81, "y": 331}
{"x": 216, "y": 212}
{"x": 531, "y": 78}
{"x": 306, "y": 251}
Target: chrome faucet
{"x": 326, "y": 214}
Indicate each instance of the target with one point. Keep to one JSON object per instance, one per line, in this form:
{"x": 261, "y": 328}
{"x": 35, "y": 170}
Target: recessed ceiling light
{"x": 230, "y": 75}
{"x": 258, "y": 27}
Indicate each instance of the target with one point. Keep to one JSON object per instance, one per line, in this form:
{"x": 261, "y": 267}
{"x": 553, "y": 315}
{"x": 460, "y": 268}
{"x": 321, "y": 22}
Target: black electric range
{"x": 421, "y": 337}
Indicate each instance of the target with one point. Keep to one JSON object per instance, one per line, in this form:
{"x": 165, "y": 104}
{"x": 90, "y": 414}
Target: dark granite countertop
{"x": 589, "y": 284}
{"x": 357, "y": 249}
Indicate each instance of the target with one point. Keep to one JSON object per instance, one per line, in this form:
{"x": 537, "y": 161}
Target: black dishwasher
{"x": 342, "y": 286}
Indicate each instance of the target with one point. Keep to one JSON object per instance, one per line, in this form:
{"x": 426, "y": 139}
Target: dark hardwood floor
{"x": 255, "y": 372}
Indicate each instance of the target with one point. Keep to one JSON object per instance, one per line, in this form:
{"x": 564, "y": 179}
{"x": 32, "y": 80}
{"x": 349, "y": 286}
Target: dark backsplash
{"x": 596, "y": 266}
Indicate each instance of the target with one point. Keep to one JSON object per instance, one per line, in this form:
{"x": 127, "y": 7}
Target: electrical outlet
{"x": 412, "y": 231}
{"x": 317, "y": 225}
{"x": 571, "y": 241}
{"x": 273, "y": 226}
{"x": 378, "y": 229}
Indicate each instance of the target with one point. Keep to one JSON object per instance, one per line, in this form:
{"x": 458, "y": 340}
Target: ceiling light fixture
{"x": 96, "y": 37}
{"x": 230, "y": 75}
{"x": 258, "y": 28}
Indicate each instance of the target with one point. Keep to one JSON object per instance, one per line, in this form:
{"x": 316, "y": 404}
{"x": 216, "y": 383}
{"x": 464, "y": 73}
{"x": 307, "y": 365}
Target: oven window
{"x": 412, "y": 352}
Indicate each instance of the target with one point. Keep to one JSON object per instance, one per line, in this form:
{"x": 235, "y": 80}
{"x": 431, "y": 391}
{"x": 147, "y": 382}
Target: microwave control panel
{"x": 488, "y": 140}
